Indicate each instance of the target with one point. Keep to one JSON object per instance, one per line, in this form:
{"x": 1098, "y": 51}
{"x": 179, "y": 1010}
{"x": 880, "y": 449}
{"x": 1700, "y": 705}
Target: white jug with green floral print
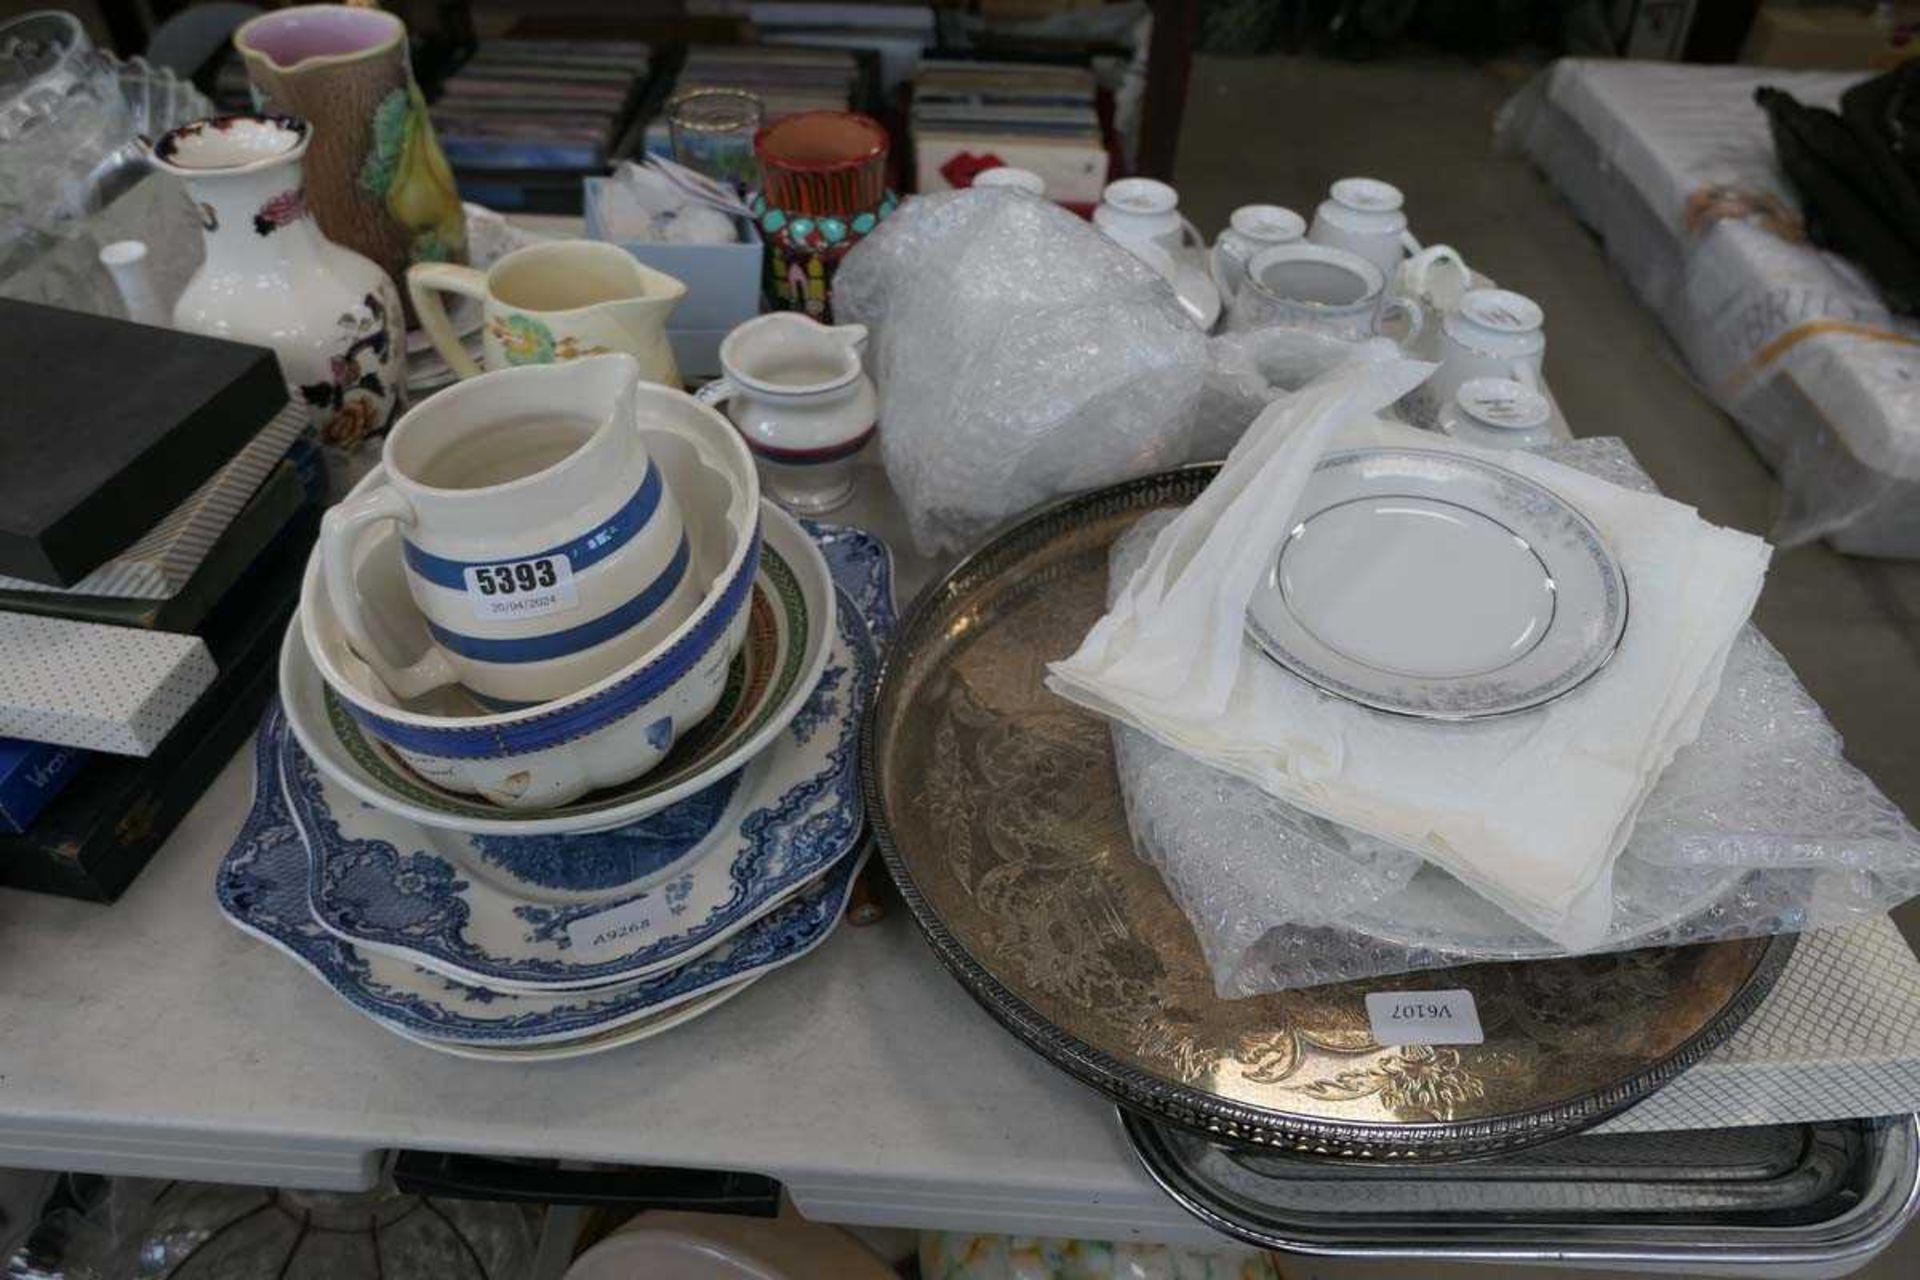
{"x": 271, "y": 278}
{"x": 555, "y": 301}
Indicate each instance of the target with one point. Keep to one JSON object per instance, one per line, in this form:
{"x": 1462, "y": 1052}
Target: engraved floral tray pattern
{"x": 1001, "y": 818}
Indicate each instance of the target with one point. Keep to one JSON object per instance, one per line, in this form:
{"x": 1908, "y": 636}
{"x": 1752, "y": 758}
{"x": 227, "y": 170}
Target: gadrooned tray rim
{"x": 1182, "y": 1104}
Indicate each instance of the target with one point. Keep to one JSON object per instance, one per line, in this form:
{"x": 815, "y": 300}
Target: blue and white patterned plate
{"x": 261, "y": 887}
{"x": 388, "y": 884}
{"x": 597, "y": 1042}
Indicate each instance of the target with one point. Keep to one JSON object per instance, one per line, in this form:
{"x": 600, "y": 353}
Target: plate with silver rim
{"x": 1433, "y": 584}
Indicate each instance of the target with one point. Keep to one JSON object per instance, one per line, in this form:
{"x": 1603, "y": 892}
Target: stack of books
{"x": 158, "y": 496}
{"x": 539, "y": 104}
{"x": 969, "y": 116}
{"x": 896, "y": 33}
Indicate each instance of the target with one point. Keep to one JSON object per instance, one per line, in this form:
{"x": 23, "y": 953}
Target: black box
{"x": 106, "y": 426}
{"x": 270, "y": 514}
{"x": 93, "y": 840}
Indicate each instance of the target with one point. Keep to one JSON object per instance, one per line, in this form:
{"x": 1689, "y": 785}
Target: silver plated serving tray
{"x": 1805, "y": 1199}
{"x": 998, "y": 811}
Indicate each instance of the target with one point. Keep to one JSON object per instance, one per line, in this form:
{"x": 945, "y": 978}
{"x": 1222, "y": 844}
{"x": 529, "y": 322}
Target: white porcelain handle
{"x": 1408, "y": 243}
{"x": 339, "y": 534}
{"x": 1419, "y": 270}
{"x": 721, "y": 390}
{"x": 426, "y": 281}
{"x": 1413, "y": 311}
{"x": 1223, "y": 279}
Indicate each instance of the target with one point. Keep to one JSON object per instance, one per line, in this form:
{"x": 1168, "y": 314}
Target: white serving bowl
{"x": 615, "y": 729}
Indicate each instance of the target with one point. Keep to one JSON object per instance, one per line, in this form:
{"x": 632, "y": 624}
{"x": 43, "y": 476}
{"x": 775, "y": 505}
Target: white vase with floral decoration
{"x": 271, "y": 278}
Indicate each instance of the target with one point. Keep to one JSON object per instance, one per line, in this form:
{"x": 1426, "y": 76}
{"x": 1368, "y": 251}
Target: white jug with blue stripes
{"x": 541, "y": 543}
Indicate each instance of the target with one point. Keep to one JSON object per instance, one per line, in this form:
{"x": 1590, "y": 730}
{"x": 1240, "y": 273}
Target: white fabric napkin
{"x": 1529, "y": 809}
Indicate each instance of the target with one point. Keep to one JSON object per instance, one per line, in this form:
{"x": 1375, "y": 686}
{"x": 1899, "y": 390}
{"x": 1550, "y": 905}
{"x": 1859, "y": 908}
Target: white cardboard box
{"x": 80, "y": 684}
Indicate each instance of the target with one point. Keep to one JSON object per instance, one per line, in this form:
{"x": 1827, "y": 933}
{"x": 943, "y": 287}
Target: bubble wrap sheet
{"x": 1019, "y": 354}
{"x": 1760, "y": 826}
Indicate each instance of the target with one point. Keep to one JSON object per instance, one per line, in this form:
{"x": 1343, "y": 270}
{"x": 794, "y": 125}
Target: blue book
{"x": 31, "y": 775}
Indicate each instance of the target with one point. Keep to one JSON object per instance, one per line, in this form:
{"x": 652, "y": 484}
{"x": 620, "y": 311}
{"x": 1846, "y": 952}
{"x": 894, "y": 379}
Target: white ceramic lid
{"x": 1500, "y": 310}
{"x": 1367, "y": 195}
{"x": 1503, "y": 403}
{"x": 1009, "y": 176}
{"x": 1140, "y": 195}
{"x": 1267, "y": 223}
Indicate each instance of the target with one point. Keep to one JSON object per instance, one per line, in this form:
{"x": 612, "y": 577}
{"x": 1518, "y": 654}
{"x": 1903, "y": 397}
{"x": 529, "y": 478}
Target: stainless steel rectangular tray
{"x": 1801, "y": 1200}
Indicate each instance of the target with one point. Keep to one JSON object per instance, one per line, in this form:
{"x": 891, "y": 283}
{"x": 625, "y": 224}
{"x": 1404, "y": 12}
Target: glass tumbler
{"x": 712, "y": 132}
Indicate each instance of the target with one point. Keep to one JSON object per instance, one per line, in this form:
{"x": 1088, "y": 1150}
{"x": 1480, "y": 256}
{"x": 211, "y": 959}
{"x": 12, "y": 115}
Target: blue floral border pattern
{"x": 862, "y": 566}
{"x": 609, "y": 860}
{"x": 788, "y": 841}
{"x": 261, "y": 887}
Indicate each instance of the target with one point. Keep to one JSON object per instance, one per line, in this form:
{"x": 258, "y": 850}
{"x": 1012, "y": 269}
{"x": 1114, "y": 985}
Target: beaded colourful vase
{"x": 803, "y": 252}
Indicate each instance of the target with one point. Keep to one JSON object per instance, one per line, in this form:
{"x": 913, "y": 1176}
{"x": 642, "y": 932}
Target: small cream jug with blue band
{"x": 540, "y": 540}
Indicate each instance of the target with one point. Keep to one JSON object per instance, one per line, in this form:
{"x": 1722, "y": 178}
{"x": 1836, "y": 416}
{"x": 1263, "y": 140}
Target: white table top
{"x": 151, "y": 1037}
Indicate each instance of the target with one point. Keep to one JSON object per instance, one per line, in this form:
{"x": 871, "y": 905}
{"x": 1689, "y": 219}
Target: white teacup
{"x": 1252, "y": 227}
{"x": 541, "y": 543}
{"x": 1363, "y": 216}
{"x": 1492, "y": 333}
{"x": 1309, "y": 286}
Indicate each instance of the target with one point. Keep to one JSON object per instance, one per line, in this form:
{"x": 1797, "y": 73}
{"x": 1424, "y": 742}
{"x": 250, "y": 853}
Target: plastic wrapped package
{"x": 1674, "y": 167}
{"x": 1759, "y": 827}
{"x": 1019, "y": 354}
{"x": 1247, "y": 371}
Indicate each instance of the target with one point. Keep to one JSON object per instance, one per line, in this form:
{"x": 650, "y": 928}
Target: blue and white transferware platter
{"x": 389, "y": 885}
{"x": 1438, "y": 585}
{"x": 598, "y": 1042}
{"x": 261, "y": 887}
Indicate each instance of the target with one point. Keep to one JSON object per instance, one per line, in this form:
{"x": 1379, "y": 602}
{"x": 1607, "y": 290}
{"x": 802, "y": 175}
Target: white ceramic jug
{"x": 1364, "y": 217}
{"x": 555, "y": 301}
{"x": 797, "y": 393}
{"x": 540, "y": 541}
